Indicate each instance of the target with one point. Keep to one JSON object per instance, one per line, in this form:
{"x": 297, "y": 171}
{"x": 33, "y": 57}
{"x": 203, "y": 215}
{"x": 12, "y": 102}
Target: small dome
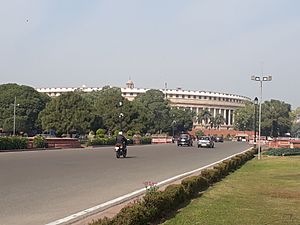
{"x": 130, "y": 84}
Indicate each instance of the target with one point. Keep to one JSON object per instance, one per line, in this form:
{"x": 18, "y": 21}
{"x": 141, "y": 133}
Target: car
{"x": 205, "y": 141}
{"x": 219, "y": 139}
{"x": 185, "y": 139}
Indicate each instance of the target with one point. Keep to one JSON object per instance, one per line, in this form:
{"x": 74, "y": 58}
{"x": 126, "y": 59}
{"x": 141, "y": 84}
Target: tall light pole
{"x": 255, "y": 118}
{"x": 261, "y": 80}
{"x": 173, "y": 122}
{"x": 14, "y": 128}
{"x": 166, "y": 86}
{"x": 121, "y": 115}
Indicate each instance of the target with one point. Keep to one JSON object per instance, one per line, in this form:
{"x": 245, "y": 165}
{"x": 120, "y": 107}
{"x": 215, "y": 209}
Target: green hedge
{"x": 112, "y": 141}
{"x": 158, "y": 204}
{"x": 102, "y": 141}
{"x": 283, "y": 151}
{"x": 146, "y": 140}
{"x": 193, "y": 185}
{"x": 11, "y": 143}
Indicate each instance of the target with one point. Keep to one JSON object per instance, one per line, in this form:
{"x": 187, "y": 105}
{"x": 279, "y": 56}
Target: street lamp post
{"x": 260, "y": 79}
{"x": 121, "y": 115}
{"x": 255, "y": 118}
{"x": 121, "y": 119}
{"x": 174, "y": 122}
{"x": 14, "y": 126}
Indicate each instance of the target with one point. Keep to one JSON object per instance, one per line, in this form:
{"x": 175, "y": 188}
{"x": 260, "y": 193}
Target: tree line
{"x": 80, "y": 112}
{"x": 277, "y": 119}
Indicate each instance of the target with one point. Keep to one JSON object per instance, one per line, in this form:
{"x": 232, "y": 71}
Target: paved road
{"x": 41, "y": 187}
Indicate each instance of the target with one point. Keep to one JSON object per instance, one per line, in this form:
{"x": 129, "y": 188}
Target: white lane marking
{"x": 103, "y": 206}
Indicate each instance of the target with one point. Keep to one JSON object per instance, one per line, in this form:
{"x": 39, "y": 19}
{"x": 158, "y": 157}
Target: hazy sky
{"x": 197, "y": 45}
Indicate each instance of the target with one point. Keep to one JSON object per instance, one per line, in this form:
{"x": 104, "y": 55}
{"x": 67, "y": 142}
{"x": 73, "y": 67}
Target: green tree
{"x": 68, "y": 113}
{"x": 153, "y": 112}
{"x": 115, "y": 111}
{"x": 295, "y": 116}
{"x": 295, "y": 129}
{"x": 276, "y": 120}
{"x": 244, "y": 117}
{"x": 181, "y": 120}
{"x": 28, "y": 105}
{"x": 218, "y": 120}
{"x": 204, "y": 115}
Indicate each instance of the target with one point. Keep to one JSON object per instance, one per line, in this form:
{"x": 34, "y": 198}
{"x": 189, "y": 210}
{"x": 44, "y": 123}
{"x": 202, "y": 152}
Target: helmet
{"x": 120, "y": 133}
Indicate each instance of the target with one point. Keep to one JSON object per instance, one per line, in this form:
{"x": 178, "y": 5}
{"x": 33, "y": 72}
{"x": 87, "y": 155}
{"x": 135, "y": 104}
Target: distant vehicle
{"x": 241, "y": 139}
{"x": 219, "y": 139}
{"x": 205, "y": 141}
{"x": 185, "y": 139}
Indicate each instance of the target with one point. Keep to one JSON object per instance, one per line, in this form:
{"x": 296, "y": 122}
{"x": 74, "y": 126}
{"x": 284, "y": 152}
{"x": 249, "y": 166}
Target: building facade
{"x": 215, "y": 102}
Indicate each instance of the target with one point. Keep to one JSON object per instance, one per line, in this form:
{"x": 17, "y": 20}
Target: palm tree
{"x": 219, "y": 120}
{"x": 204, "y": 115}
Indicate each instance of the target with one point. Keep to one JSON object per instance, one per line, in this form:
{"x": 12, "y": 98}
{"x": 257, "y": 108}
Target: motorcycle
{"x": 120, "y": 150}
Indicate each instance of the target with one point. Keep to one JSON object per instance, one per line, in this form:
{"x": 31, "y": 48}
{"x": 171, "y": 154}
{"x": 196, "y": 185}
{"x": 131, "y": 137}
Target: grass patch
{"x": 261, "y": 192}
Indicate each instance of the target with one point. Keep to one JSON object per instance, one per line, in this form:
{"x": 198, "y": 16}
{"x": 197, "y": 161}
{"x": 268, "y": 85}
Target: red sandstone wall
{"x": 223, "y": 132}
{"x": 59, "y": 143}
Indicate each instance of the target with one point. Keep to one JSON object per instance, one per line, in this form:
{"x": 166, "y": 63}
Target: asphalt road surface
{"x": 39, "y": 187}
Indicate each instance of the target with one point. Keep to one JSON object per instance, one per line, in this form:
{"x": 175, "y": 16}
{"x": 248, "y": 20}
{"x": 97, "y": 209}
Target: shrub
{"x": 175, "y": 195}
{"x": 10, "y": 143}
{"x": 116, "y": 133}
{"x": 283, "y": 151}
{"x": 193, "y": 185}
{"x": 156, "y": 204}
{"x": 237, "y": 162}
{"x": 199, "y": 133}
{"x": 160, "y": 203}
{"x": 134, "y": 214}
{"x": 220, "y": 171}
{"x": 211, "y": 175}
{"x": 230, "y": 165}
{"x": 39, "y": 142}
{"x": 100, "y": 133}
{"x": 146, "y": 140}
{"x": 104, "y": 221}
{"x": 101, "y": 141}
{"x": 215, "y": 175}
{"x": 129, "y": 133}
{"x": 223, "y": 169}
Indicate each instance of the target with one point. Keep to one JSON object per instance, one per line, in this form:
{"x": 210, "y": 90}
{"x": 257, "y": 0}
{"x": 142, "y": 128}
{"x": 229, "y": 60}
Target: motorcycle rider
{"x": 120, "y": 139}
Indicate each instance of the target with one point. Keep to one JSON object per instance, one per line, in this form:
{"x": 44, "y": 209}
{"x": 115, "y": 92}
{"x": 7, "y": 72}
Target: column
{"x": 197, "y": 111}
{"x": 224, "y": 115}
{"x": 208, "y": 120}
{"x": 229, "y": 117}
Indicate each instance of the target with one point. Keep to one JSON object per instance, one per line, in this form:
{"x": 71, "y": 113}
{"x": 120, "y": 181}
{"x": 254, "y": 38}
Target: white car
{"x": 205, "y": 141}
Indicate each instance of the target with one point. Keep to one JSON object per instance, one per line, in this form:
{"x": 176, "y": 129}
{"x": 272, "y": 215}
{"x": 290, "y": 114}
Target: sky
{"x": 192, "y": 44}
